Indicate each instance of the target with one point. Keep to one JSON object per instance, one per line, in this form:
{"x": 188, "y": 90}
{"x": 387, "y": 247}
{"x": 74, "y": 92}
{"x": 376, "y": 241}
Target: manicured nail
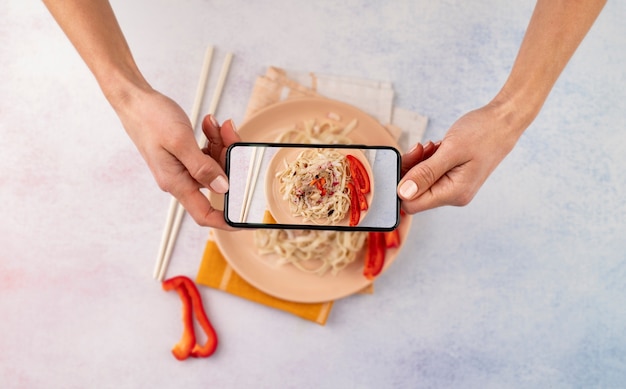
{"x": 408, "y": 189}
{"x": 219, "y": 185}
{"x": 214, "y": 122}
{"x": 232, "y": 123}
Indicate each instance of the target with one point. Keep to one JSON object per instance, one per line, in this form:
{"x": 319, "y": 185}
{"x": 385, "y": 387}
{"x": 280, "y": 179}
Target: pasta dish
{"x": 313, "y": 251}
{"x": 318, "y": 132}
{"x": 315, "y": 186}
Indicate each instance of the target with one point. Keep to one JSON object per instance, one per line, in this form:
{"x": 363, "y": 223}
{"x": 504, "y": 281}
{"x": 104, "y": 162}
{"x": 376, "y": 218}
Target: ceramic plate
{"x": 286, "y": 282}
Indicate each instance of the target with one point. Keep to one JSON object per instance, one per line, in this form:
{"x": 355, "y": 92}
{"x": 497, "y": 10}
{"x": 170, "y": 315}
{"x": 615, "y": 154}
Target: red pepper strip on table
{"x": 210, "y": 345}
{"x": 355, "y": 210}
{"x": 374, "y": 255}
{"x": 182, "y": 349}
{"x": 359, "y": 174}
{"x": 192, "y": 303}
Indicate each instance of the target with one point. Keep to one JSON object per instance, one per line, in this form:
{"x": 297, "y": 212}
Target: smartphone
{"x": 303, "y": 186}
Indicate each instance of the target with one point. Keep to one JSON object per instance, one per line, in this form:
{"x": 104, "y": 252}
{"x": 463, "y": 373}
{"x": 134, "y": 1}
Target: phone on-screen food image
{"x": 312, "y": 186}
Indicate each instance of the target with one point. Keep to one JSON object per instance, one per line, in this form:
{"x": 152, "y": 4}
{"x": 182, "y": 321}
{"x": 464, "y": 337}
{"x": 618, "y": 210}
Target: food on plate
{"x": 319, "y": 132}
{"x": 321, "y": 185}
{"x": 314, "y": 251}
{"x": 315, "y": 186}
{"x": 359, "y": 186}
{"x": 311, "y": 251}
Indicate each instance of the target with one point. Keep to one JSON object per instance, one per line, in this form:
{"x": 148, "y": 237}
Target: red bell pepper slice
{"x": 355, "y": 210}
{"x": 210, "y": 345}
{"x": 319, "y": 184}
{"x": 374, "y": 255}
{"x": 392, "y": 239}
{"x": 362, "y": 200}
{"x": 359, "y": 174}
{"x": 182, "y": 349}
{"x": 192, "y": 304}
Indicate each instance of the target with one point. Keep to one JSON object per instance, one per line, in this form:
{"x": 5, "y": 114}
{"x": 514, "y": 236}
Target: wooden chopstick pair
{"x": 176, "y": 211}
{"x": 256, "y": 160}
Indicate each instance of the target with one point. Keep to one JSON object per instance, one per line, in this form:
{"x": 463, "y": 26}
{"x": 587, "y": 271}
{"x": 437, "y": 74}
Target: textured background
{"x": 523, "y": 288}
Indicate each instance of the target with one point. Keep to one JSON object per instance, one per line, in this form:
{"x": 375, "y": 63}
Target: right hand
{"x": 163, "y": 135}
{"x": 452, "y": 171}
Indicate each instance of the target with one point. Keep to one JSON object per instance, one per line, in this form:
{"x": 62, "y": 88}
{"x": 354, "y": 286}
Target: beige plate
{"x": 279, "y": 207}
{"x": 287, "y": 282}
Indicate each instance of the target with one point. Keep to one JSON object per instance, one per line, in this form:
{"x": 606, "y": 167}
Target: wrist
{"x": 122, "y": 85}
{"x": 516, "y": 111}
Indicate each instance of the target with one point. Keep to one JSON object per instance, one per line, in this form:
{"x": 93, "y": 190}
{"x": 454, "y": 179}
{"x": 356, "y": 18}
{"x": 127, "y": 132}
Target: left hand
{"x": 163, "y": 135}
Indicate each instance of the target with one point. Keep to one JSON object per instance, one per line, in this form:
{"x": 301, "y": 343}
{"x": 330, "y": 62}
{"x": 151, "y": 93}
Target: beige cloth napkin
{"x": 374, "y": 98}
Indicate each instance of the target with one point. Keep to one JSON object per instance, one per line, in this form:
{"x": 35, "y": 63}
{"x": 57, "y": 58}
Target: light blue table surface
{"x": 523, "y": 288}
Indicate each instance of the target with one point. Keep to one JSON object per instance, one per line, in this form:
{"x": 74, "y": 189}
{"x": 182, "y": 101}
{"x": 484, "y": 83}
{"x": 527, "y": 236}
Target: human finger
{"x": 202, "y": 168}
{"x": 218, "y": 137}
{"x": 430, "y": 149}
{"x": 211, "y": 129}
{"x": 412, "y": 158}
{"x": 418, "y": 154}
{"x": 228, "y": 132}
{"x": 416, "y": 186}
{"x": 199, "y": 207}
{"x": 229, "y": 135}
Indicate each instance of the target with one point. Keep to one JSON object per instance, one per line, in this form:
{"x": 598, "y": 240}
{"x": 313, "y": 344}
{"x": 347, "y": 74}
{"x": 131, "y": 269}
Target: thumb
{"x": 418, "y": 181}
{"x": 205, "y": 170}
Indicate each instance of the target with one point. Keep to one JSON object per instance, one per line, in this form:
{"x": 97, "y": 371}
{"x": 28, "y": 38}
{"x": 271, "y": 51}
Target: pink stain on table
{"x": 12, "y": 279}
{"x": 18, "y": 379}
{"x": 93, "y": 281}
{"x": 125, "y": 166}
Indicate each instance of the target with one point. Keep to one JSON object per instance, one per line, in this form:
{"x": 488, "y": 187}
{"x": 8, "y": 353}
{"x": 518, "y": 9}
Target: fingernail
{"x": 408, "y": 189}
{"x": 214, "y": 122}
{"x": 232, "y": 123}
{"x": 219, "y": 185}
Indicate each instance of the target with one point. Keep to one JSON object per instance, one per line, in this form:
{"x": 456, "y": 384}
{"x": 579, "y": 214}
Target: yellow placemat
{"x": 215, "y": 272}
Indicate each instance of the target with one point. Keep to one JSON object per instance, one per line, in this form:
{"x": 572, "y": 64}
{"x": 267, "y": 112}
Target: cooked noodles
{"x": 313, "y": 251}
{"x": 314, "y": 184}
{"x": 318, "y": 132}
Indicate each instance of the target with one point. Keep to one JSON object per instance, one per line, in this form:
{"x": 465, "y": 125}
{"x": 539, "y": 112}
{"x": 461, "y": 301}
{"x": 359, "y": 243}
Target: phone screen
{"x": 332, "y": 187}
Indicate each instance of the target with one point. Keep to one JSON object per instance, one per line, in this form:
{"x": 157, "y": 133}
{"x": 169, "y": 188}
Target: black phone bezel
{"x": 248, "y": 225}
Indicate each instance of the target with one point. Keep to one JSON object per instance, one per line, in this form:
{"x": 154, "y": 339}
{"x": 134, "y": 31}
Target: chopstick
{"x": 256, "y": 160}
{"x": 246, "y": 192}
{"x": 173, "y": 208}
{"x": 176, "y": 211}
